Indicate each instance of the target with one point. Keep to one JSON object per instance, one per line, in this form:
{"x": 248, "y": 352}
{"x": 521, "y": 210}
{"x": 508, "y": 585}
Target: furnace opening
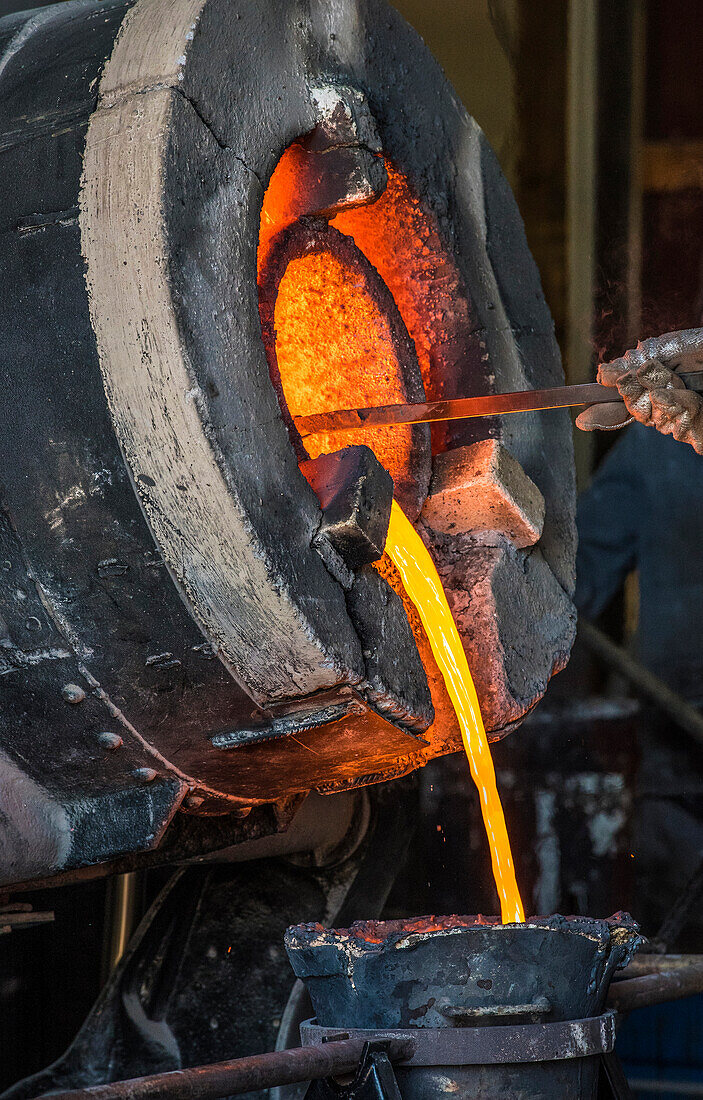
{"x": 363, "y": 304}
{"x": 335, "y": 339}
{"x": 344, "y": 331}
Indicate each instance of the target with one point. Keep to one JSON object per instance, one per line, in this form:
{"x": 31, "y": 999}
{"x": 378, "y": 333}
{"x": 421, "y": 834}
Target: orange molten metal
{"x": 334, "y": 344}
{"x": 422, "y": 584}
{"x": 335, "y": 349}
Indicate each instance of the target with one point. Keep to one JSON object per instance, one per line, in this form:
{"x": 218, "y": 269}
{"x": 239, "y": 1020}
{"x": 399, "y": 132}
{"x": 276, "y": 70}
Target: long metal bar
{"x": 582, "y": 139}
{"x": 654, "y": 989}
{"x": 615, "y": 1076}
{"x": 121, "y": 917}
{"x": 663, "y": 1085}
{"x": 645, "y": 682}
{"x": 467, "y": 408}
{"x": 645, "y": 963}
{"x": 260, "y": 1071}
{"x": 680, "y": 911}
{"x": 19, "y": 915}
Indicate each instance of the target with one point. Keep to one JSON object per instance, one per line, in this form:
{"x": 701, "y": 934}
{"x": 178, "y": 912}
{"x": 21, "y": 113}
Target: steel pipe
{"x": 661, "y": 1085}
{"x": 645, "y": 963}
{"x": 653, "y": 989}
{"x": 643, "y": 681}
{"x": 260, "y": 1071}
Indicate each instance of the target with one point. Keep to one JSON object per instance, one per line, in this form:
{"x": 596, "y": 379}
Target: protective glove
{"x": 647, "y": 380}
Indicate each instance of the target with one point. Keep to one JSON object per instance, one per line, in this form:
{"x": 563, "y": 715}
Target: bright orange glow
{"x": 422, "y": 584}
{"x": 335, "y": 349}
{"x": 353, "y": 314}
{"x": 404, "y": 243}
{"x": 284, "y": 198}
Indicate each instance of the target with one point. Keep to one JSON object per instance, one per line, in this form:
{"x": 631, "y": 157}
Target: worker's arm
{"x": 646, "y": 379}
{"x": 607, "y": 521}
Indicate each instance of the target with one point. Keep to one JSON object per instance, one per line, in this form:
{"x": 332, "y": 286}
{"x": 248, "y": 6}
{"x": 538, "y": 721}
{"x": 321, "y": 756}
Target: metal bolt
{"x": 144, "y": 775}
{"x": 110, "y": 740}
{"x": 33, "y": 623}
{"x": 162, "y": 660}
{"x": 111, "y": 567}
{"x": 73, "y": 693}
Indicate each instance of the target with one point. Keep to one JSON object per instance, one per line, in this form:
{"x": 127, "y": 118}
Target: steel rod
{"x": 466, "y": 408}
{"x": 645, "y": 682}
{"x": 460, "y": 408}
{"x": 654, "y": 989}
{"x": 644, "y": 963}
{"x": 260, "y": 1071}
{"x": 121, "y": 917}
{"x": 663, "y": 1085}
{"x": 680, "y": 912}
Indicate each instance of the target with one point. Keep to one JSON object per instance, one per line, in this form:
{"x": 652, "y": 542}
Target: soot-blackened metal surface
{"x": 205, "y": 976}
{"x": 355, "y": 493}
{"x": 84, "y": 593}
{"x": 103, "y": 532}
{"x": 395, "y": 974}
{"x": 111, "y": 693}
{"x": 453, "y": 971}
{"x": 380, "y": 621}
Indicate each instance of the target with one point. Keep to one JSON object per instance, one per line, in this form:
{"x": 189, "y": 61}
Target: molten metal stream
{"x": 422, "y": 584}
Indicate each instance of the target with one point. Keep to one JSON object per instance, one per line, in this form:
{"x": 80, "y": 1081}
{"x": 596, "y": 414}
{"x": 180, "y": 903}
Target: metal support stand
{"x": 374, "y": 1080}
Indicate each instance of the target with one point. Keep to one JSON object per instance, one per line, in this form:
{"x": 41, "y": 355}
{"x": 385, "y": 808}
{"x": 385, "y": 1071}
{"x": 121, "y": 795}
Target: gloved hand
{"x": 646, "y": 379}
